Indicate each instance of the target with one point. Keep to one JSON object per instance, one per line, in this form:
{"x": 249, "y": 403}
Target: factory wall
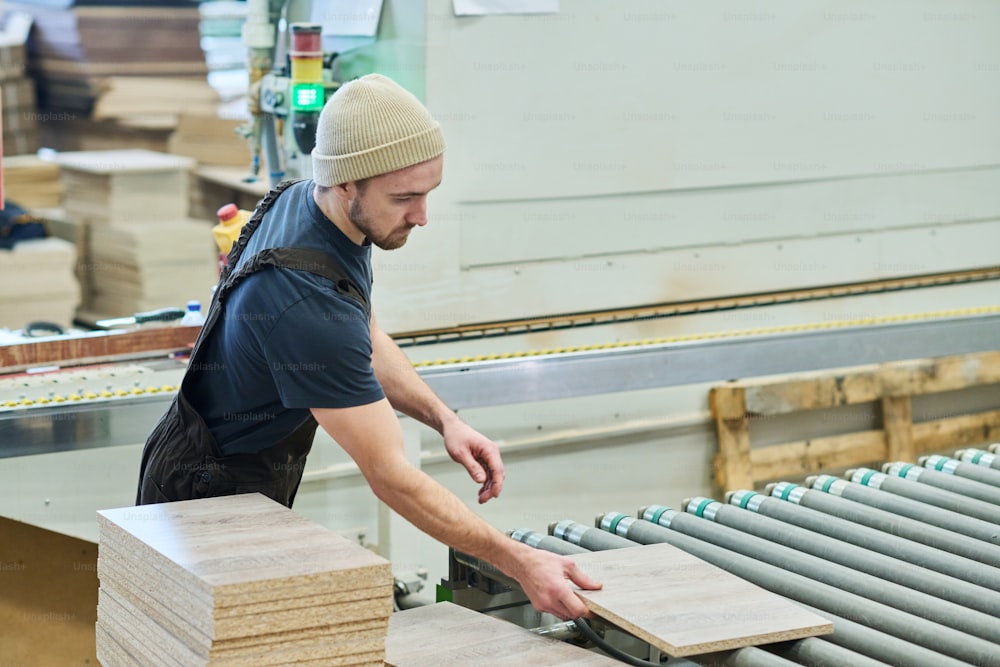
{"x": 614, "y": 155}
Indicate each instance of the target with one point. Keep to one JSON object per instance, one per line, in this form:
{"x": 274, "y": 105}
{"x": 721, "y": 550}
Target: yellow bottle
{"x": 226, "y": 233}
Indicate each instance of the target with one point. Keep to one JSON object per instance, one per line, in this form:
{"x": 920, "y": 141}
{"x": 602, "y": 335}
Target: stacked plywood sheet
{"x": 31, "y": 182}
{"x": 138, "y": 248}
{"x": 39, "y": 283}
{"x": 76, "y": 44}
{"x": 238, "y": 580}
{"x": 124, "y": 186}
{"x": 211, "y": 140}
{"x": 17, "y": 90}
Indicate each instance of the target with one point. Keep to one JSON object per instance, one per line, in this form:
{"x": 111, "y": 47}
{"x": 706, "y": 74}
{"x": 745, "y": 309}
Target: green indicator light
{"x": 307, "y": 97}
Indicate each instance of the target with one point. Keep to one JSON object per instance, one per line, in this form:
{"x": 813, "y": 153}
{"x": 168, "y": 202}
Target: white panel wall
{"x": 617, "y": 154}
{"x": 605, "y": 98}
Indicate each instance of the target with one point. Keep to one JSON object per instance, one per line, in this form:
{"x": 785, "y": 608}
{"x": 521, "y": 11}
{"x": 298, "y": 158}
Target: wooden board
{"x": 98, "y": 346}
{"x": 48, "y": 596}
{"x": 445, "y": 634}
{"x": 685, "y": 606}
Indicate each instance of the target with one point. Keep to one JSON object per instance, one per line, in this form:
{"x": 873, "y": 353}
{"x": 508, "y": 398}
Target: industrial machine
{"x": 290, "y": 80}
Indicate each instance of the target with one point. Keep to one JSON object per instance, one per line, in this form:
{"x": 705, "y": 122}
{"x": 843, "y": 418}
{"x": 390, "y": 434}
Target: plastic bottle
{"x": 193, "y": 316}
{"x": 226, "y": 233}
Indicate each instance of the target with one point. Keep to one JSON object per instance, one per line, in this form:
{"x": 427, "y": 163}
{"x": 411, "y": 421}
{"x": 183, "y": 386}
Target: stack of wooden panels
{"x": 39, "y": 283}
{"x": 77, "y": 43}
{"x": 138, "y": 248}
{"x": 124, "y": 186}
{"x": 237, "y": 580}
{"x": 17, "y": 90}
{"x": 31, "y": 182}
{"x": 149, "y": 265}
{"x": 211, "y": 140}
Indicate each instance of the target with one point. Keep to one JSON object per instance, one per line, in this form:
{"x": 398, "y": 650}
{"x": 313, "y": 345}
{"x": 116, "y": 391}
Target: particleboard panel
{"x": 245, "y": 544}
{"x": 445, "y": 634}
{"x": 685, "y": 606}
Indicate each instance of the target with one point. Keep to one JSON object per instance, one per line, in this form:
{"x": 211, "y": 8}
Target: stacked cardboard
{"x": 211, "y": 140}
{"x": 76, "y": 44}
{"x": 17, "y": 90}
{"x": 40, "y": 283}
{"x": 237, "y": 580}
{"x": 138, "y": 248}
{"x": 31, "y": 182}
{"x": 153, "y": 99}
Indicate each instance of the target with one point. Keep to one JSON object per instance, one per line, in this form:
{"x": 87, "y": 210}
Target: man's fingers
{"x": 475, "y": 470}
{"x": 582, "y": 579}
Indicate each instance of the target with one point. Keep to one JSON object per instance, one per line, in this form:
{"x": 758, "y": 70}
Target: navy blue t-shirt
{"x": 287, "y": 341}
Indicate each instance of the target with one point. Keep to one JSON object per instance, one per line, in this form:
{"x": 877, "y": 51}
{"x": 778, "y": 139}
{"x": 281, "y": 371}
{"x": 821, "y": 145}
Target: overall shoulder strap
{"x": 300, "y": 259}
{"x": 252, "y": 224}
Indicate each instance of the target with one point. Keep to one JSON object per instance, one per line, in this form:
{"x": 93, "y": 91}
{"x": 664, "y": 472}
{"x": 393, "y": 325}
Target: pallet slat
{"x": 891, "y": 386}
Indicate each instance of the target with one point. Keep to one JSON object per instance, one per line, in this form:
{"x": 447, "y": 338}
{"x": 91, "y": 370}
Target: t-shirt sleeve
{"x": 319, "y": 354}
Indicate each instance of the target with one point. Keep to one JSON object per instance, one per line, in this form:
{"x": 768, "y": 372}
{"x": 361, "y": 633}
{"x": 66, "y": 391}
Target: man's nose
{"x": 417, "y": 214}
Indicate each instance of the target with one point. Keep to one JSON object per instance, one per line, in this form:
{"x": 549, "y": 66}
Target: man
{"x": 289, "y": 342}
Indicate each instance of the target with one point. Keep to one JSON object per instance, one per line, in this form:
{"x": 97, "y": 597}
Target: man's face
{"x": 389, "y": 206}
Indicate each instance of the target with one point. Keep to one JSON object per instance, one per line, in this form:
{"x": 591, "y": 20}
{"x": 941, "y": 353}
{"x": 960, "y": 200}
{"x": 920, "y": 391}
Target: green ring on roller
{"x": 658, "y": 513}
{"x": 940, "y": 464}
{"x": 746, "y": 499}
{"x": 788, "y": 490}
{"x": 867, "y": 476}
{"x": 614, "y": 524}
{"x": 828, "y": 483}
{"x": 701, "y": 507}
{"x": 977, "y": 456}
{"x": 905, "y": 469}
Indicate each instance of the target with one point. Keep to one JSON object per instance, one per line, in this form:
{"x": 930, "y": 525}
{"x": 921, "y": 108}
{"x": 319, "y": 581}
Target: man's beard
{"x": 359, "y": 218}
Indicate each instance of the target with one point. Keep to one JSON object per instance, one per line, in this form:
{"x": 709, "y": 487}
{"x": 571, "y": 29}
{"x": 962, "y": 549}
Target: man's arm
{"x": 408, "y": 393}
{"x": 372, "y": 436}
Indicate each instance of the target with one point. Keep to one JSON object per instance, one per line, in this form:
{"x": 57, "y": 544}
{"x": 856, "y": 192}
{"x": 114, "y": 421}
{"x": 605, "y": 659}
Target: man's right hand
{"x": 547, "y": 580}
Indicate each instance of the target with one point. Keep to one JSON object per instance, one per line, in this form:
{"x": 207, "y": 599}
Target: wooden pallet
{"x": 891, "y": 386}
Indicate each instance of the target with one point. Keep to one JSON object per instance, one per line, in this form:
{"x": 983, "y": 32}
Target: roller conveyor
{"x": 900, "y": 585}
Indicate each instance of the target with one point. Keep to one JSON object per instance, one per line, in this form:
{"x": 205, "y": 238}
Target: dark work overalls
{"x": 181, "y": 460}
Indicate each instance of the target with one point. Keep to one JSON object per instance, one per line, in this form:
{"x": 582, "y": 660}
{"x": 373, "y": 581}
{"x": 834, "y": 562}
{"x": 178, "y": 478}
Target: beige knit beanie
{"x": 372, "y": 126}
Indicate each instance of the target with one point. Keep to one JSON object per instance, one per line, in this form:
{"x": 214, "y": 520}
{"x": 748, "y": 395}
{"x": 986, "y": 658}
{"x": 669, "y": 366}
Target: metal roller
{"x": 816, "y": 568}
{"x": 818, "y": 652}
{"x": 970, "y": 471}
{"x": 546, "y": 542}
{"x": 891, "y": 524}
{"x": 592, "y": 540}
{"x": 942, "y": 480}
{"x": 925, "y": 493}
{"x": 913, "y": 509}
{"x": 905, "y": 570}
{"x": 876, "y": 645}
{"x": 979, "y": 457}
{"x": 918, "y": 633}
{"x": 904, "y": 550}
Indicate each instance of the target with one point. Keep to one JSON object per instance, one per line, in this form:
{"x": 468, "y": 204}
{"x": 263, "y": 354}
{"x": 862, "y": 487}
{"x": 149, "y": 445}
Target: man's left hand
{"x": 479, "y": 455}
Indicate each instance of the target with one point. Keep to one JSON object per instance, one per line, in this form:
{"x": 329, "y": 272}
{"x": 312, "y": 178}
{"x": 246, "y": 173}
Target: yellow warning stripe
{"x": 885, "y": 319}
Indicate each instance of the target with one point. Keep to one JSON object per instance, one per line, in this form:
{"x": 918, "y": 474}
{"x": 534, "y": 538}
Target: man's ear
{"x": 345, "y": 192}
